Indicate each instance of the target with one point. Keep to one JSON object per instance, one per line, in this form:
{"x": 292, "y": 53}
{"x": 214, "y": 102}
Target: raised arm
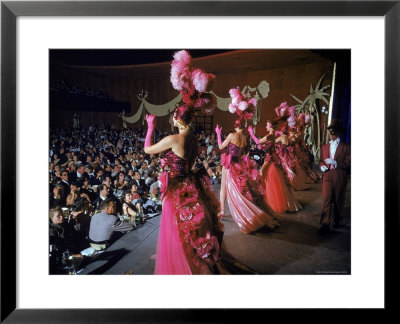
{"x": 263, "y": 140}
{"x": 151, "y": 123}
{"x": 255, "y": 139}
{"x": 161, "y": 146}
{"x": 222, "y": 145}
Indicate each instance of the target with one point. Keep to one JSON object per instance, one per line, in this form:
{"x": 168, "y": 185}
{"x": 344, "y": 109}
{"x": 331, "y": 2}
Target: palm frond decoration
{"x": 312, "y": 133}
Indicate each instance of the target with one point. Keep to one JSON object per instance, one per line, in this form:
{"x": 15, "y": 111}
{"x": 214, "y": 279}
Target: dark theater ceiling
{"x": 134, "y": 63}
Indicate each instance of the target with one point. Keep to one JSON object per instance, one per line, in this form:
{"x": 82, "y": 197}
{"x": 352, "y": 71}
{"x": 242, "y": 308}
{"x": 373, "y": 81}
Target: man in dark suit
{"x": 65, "y": 184}
{"x": 105, "y": 193}
{"x": 90, "y": 172}
{"x": 334, "y": 162}
{"x": 142, "y": 188}
{"x": 79, "y": 174}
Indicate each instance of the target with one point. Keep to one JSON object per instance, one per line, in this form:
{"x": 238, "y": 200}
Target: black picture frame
{"x": 10, "y": 10}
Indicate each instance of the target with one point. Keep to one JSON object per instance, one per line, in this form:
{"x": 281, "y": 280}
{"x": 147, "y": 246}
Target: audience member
{"x": 213, "y": 177}
{"x": 132, "y": 211}
{"x": 57, "y": 197}
{"x": 78, "y": 224}
{"x": 104, "y": 224}
{"x": 141, "y": 184}
{"x": 82, "y": 163}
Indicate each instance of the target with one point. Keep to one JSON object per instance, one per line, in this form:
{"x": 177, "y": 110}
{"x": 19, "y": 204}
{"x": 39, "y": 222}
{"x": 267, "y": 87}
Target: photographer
{"x": 78, "y": 225}
{"x": 75, "y": 193}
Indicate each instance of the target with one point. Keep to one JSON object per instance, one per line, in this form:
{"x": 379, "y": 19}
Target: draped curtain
{"x": 163, "y": 110}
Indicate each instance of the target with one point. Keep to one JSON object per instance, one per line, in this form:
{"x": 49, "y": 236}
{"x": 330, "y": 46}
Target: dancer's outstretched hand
{"x": 151, "y": 121}
{"x": 251, "y": 130}
{"x": 218, "y": 130}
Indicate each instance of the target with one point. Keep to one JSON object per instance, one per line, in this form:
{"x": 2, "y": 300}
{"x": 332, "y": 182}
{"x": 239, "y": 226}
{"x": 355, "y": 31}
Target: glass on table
{"x": 71, "y": 270}
{"x": 65, "y": 256}
{"x": 65, "y": 212}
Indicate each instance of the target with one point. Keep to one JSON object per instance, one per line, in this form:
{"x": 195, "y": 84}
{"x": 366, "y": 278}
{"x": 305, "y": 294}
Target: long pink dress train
{"x": 170, "y": 258}
{"x": 190, "y": 233}
{"x": 244, "y": 192}
{"x": 277, "y": 194}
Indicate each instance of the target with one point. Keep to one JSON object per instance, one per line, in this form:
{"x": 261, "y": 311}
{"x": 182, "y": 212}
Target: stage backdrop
{"x": 286, "y": 71}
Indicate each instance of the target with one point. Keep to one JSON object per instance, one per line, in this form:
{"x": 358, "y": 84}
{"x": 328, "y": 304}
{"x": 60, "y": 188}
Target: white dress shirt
{"x": 333, "y": 146}
{"x": 332, "y": 150}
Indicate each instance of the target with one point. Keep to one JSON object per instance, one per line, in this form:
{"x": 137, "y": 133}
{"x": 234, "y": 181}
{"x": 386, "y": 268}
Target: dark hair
{"x": 239, "y": 123}
{"x": 61, "y": 190}
{"x": 335, "y": 131}
{"x": 273, "y": 123}
{"x": 132, "y": 183}
{"x": 184, "y": 113}
{"x": 104, "y": 204}
{"x": 126, "y": 192}
{"x": 80, "y": 203}
{"x": 76, "y": 183}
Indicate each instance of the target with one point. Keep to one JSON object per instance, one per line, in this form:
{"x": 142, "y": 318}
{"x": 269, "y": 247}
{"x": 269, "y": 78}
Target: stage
{"x": 294, "y": 248}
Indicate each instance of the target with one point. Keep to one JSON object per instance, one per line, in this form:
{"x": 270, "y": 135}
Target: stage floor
{"x": 294, "y": 248}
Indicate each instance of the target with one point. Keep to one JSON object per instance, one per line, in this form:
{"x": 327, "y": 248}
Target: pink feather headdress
{"x": 241, "y": 106}
{"x": 286, "y": 112}
{"x": 193, "y": 83}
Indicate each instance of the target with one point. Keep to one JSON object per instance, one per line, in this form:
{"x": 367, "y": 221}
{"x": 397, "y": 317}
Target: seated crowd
{"x": 102, "y": 184}
{"x": 63, "y": 86}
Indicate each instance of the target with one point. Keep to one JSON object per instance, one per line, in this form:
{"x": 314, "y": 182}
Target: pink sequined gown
{"x": 190, "y": 233}
{"x": 244, "y": 192}
{"x": 277, "y": 194}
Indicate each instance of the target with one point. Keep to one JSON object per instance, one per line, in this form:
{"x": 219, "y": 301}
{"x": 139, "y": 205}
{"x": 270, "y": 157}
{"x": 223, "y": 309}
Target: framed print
{"x": 24, "y": 119}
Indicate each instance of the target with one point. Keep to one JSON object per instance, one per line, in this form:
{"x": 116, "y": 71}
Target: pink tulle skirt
{"x": 171, "y": 258}
{"x": 247, "y": 213}
{"x": 276, "y": 193}
{"x": 190, "y": 233}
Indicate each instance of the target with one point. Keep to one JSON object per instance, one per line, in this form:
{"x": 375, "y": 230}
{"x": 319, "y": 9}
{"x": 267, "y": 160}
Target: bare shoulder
{"x": 170, "y": 138}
